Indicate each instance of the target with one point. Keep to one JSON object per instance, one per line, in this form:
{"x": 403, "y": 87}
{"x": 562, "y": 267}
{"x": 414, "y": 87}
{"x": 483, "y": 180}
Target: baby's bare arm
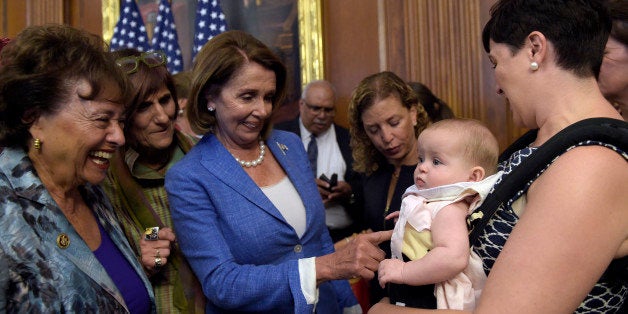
{"x": 450, "y": 254}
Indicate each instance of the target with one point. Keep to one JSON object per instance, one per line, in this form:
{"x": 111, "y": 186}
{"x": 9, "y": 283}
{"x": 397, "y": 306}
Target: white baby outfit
{"x": 412, "y": 237}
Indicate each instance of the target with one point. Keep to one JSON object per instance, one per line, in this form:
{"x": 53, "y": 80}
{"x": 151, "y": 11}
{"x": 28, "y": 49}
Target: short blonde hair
{"x": 480, "y": 145}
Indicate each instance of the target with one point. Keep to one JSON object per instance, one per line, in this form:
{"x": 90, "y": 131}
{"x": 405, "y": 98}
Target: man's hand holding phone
{"x": 332, "y": 182}
{"x": 331, "y": 189}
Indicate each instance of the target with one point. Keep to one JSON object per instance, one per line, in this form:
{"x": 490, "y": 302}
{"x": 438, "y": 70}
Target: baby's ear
{"x": 477, "y": 174}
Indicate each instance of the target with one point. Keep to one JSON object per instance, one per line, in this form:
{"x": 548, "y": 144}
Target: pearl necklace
{"x": 253, "y": 163}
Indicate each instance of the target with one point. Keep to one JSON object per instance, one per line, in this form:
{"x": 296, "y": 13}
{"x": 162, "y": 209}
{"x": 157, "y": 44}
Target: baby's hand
{"x": 390, "y": 270}
{"x": 393, "y": 215}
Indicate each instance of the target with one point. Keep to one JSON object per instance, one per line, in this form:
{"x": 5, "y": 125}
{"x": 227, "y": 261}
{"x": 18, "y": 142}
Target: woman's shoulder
{"x": 594, "y": 157}
{"x": 286, "y": 136}
{"x": 194, "y": 157}
{"x": 591, "y": 170}
{"x": 17, "y": 174}
{"x": 285, "y": 140}
{"x": 595, "y": 153}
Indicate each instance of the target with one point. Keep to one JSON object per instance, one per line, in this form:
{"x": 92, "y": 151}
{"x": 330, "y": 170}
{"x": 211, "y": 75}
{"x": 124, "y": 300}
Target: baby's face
{"x": 441, "y": 159}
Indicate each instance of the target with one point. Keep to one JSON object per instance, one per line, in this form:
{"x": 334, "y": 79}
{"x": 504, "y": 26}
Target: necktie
{"x": 312, "y": 153}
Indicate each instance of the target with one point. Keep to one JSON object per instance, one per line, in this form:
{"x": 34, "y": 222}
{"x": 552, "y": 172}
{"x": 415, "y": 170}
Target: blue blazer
{"x": 239, "y": 245}
{"x": 36, "y": 275}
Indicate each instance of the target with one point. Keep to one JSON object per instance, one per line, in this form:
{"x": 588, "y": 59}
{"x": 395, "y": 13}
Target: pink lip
{"x": 393, "y": 151}
{"x": 104, "y": 166}
{"x": 162, "y": 131}
{"x": 100, "y": 163}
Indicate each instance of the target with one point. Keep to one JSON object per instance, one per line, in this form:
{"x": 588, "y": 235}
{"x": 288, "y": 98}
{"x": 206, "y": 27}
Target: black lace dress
{"x": 607, "y": 296}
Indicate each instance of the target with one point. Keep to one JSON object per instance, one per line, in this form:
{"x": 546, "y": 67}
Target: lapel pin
{"x": 283, "y": 148}
{"x": 63, "y": 241}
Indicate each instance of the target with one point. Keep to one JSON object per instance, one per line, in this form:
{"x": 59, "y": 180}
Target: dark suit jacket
{"x": 342, "y": 137}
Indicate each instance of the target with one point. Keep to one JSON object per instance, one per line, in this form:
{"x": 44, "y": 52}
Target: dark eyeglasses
{"x": 318, "y": 109}
{"x": 150, "y": 58}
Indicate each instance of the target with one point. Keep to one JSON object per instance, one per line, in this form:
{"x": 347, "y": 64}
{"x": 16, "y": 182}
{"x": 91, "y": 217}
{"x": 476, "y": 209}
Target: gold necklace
{"x": 391, "y": 191}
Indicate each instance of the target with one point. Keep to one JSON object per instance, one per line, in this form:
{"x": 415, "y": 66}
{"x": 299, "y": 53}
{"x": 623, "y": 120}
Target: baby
{"x": 455, "y": 158}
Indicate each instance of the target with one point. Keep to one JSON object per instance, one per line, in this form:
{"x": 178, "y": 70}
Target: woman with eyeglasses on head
{"x": 63, "y": 104}
{"x": 135, "y": 183}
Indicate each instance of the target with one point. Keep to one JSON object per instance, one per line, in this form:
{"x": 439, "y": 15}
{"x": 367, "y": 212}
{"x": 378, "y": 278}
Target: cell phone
{"x": 332, "y": 182}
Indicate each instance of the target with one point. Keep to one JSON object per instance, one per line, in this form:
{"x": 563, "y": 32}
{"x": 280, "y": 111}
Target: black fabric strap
{"x": 605, "y": 130}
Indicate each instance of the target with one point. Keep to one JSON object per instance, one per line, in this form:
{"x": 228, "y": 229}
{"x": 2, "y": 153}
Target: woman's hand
{"x": 155, "y": 253}
{"x": 340, "y": 244}
{"x": 358, "y": 258}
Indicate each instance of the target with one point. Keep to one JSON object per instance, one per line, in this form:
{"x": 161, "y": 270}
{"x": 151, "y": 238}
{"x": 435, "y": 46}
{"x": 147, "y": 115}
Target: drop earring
{"x": 181, "y": 112}
{"x": 211, "y": 109}
{"x": 37, "y": 144}
{"x": 534, "y": 66}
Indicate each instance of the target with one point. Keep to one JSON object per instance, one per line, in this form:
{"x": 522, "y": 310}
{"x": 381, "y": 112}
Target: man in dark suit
{"x": 328, "y": 147}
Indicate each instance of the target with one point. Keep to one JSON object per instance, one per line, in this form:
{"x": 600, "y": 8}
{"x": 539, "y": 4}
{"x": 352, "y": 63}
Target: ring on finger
{"x": 158, "y": 262}
{"x": 151, "y": 234}
{"x": 157, "y": 253}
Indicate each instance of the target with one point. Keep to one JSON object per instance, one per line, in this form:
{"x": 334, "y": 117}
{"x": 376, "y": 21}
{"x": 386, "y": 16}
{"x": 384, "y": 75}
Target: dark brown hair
{"x": 40, "y": 67}
{"x": 182, "y": 83}
{"x": 587, "y": 24}
{"x": 619, "y": 14}
{"x": 436, "y": 108}
{"x": 145, "y": 82}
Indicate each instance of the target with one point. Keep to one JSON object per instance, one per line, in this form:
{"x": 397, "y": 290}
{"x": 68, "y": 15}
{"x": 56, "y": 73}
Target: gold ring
{"x": 157, "y": 254}
{"x": 151, "y": 234}
{"x": 158, "y": 262}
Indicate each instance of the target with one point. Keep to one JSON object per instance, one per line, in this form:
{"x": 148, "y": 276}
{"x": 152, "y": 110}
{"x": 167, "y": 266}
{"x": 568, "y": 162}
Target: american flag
{"x": 165, "y": 37}
{"x": 130, "y": 31}
{"x": 210, "y": 21}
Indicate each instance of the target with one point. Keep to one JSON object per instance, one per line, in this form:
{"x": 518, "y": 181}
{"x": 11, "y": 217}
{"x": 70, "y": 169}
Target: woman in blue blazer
{"x": 245, "y": 207}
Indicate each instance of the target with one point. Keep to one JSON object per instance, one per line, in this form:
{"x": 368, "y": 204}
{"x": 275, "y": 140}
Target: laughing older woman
{"x": 61, "y": 116}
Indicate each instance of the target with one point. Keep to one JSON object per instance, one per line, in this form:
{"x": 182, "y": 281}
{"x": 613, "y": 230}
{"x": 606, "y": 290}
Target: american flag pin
{"x": 283, "y": 148}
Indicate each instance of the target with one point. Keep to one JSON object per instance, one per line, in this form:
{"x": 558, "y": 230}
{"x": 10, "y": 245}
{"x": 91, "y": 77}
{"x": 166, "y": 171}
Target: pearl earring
{"x": 534, "y": 66}
{"x": 211, "y": 109}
